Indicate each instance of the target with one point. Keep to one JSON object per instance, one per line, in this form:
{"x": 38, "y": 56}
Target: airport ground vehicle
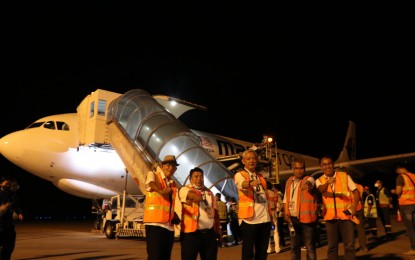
{"x": 122, "y": 216}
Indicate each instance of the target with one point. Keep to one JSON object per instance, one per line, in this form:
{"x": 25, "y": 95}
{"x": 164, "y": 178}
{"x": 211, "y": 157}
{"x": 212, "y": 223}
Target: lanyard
{"x": 294, "y": 187}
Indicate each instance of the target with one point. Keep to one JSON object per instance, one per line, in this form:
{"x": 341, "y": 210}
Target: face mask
{"x": 196, "y": 187}
{"x": 376, "y": 185}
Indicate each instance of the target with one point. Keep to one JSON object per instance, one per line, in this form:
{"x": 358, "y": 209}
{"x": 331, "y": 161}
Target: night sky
{"x": 300, "y": 86}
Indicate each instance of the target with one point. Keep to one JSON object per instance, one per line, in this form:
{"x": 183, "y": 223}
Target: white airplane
{"x": 113, "y": 140}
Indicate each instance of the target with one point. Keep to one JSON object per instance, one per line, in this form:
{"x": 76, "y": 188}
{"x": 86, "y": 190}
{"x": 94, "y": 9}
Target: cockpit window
{"x": 35, "y": 124}
{"x": 50, "y": 125}
{"x": 62, "y": 126}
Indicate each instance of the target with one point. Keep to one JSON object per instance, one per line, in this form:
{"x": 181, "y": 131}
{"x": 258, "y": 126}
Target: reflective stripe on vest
{"x": 383, "y": 199}
{"x": 333, "y": 207}
{"x": 246, "y": 198}
{"x": 157, "y": 208}
{"x": 190, "y": 214}
{"x": 306, "y": 204}
{"x": 408, "y": 190}
{"x": 360, "y": 189}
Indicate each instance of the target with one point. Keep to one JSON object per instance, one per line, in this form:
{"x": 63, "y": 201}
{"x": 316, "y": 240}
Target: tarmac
{"x": 76, "y": 240}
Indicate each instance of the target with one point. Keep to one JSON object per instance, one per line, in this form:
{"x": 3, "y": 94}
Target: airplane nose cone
{"x": 2, "y": 145}
{"x": 10, "y": 147}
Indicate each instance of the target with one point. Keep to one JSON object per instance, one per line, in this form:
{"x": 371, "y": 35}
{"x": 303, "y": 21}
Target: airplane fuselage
{"x": 74, "y": 151}
{"x": 55, "y": 155}
{"x": 79, "y": 155}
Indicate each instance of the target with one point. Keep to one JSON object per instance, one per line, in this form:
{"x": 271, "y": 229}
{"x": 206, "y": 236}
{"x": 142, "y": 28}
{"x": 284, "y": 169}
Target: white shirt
{"x": 261, "y": 214}
{"x": 151, "y": 177}
{"x": 205, "y": 221}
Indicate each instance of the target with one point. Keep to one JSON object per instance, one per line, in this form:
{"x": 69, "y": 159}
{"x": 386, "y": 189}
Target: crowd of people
{"x": 260, "y": 216}
{"x": 344, "y": 206}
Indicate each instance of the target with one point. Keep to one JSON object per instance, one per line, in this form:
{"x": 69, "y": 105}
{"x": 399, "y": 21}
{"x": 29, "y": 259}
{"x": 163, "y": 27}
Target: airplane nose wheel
{"x": 110, "y": 230}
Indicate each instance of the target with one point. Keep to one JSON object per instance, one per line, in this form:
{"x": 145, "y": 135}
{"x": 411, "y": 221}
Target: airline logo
{"x": 220, "y": 147}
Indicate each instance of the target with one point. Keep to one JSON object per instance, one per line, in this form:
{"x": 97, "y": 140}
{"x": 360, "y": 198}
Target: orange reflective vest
{"x": 360, "y": 204}
{"x": 190, "y": 213}
{"x": 246, "y": 198}
{"x": 335, "y": 203}
{"x": 159, "y": 209}
{"x": 272, "y": 202}
{"x": 306, "y": 201}
{"x": 273, "y": 199}
{"x": 408, "y": 190}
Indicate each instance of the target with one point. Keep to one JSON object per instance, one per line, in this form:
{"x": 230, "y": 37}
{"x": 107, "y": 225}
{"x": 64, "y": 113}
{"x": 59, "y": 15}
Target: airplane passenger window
{"x": 50, "y": 125}
{"x": 62, "y": 126}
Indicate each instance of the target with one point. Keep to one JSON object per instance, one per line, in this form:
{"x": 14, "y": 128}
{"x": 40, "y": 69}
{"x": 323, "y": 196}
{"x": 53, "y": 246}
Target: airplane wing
{"x": 365, "y": 169}
{"x": 378, "y": 165}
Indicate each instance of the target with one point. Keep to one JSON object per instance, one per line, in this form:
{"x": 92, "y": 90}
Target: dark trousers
{"x": 255, "y": 240}
{"x": 234, "y": 226}
{"x": 7, "y": 243}
{"x": 361, "y": 232}
{"x": 280, "y": 225}
{"x": 346, "y": 230}
{"x": 373, "y": 227}
{"x": 201, "y": 242}
{"x": 408, "y": 217}
{"x": 224, "y": 233}
{"x": 304, "y": 234}
{"x": 159, "y": 242}
{"x": 385, "y": 219}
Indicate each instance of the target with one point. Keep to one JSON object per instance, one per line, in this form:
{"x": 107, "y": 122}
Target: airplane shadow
{"x": 371, "y": 245}
{"x": 380, "y": 242}
{"x": 387, "y": 256}
{"x": 321, "y": 241}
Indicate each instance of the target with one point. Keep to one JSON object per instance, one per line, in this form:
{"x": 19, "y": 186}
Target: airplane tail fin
{"x": 349, "y": 148}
